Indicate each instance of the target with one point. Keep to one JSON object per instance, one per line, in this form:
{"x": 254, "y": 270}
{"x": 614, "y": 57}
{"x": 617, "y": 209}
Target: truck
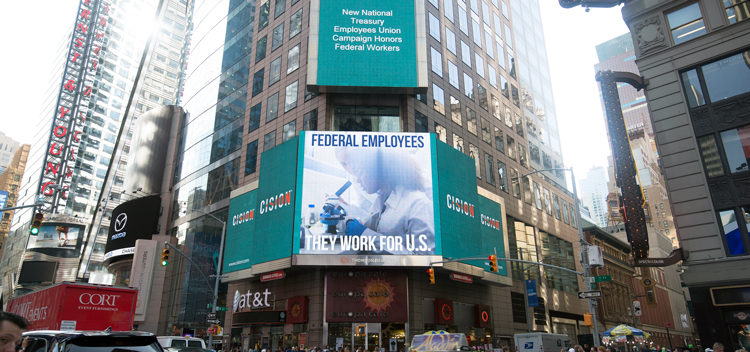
{"x": 541, "y": 342}
{"x": 77, "y": 306}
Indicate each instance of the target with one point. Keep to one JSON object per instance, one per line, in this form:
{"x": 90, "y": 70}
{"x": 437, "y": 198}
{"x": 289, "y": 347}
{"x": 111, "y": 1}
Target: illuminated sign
{"x": 359, "y": 43}
{"x": 72, "y": 104}
{"x": 240, "y": 231}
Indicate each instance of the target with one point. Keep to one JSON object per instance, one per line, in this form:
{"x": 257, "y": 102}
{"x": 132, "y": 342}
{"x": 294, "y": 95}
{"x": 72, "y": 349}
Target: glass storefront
{"x": 388, "y": 337}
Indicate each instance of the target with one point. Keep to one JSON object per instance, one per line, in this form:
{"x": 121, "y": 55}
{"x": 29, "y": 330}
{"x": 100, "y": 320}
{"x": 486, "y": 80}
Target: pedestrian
{"x": 718, "y": 347}
{"x": 12, "y": 327}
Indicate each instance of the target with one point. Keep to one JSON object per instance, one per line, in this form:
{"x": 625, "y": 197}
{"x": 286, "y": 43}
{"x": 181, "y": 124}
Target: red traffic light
{"x": 431, "y": 272}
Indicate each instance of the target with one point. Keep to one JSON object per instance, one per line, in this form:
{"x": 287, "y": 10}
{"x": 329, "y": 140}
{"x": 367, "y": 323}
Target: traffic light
{"x": 217, "y": 329}
{"x": 493, "y": 263}
{"x": 431, "y": 271}
{"x": 164, "y": 257}
{"x": 588, "y": 320}
{"x": 36, "y": 223}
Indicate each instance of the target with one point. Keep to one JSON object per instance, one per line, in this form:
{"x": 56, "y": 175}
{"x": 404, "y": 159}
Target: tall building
{"x": 695, "y": 56}
{"x": 594, "y": 194}
{"x": 10, "y": 181}
{"x": 8, "y": 148}
{"x": 260, "y": 72}
{"x": 108, "y": 73}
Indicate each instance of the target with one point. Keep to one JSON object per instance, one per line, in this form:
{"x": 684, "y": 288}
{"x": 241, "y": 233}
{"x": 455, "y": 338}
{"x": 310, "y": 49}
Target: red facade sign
{"x": 483, "y": 316}
{"x": 82, "y": 307}
{"x": 462, "y": 278}
{"x": 366, "y": 295}
{"x": 276, "y": 275}
{"x": 296, "y": 310}
{"x": 444, "y": 312}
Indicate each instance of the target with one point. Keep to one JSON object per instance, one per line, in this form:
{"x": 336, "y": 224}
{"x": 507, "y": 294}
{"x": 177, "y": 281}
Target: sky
{"x": 571, "y": 36}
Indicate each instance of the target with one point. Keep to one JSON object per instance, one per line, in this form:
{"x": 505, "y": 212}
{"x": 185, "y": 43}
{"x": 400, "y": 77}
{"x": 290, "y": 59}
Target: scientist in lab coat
{"x": 402, "y": 216}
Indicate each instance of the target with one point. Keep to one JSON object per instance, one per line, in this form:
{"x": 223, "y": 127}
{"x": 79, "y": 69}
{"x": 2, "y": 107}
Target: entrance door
{"x": 367, "y": 336}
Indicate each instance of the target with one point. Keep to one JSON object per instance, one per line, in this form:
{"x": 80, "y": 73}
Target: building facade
{"x": 8, "y": 148}
{"x": 594, "y": 193}
{"x": 694, "y": 54}
{"x": 10, "y": 181}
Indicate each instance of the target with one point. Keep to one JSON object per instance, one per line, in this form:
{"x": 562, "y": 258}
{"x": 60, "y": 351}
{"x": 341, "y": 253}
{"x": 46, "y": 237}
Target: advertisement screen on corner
{"x": 367, "y": 194}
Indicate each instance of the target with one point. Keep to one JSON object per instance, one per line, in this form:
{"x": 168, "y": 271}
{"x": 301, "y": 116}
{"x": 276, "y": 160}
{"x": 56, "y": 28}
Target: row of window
{"x": 687, "y": 23}
{"x": 310, "y": 123}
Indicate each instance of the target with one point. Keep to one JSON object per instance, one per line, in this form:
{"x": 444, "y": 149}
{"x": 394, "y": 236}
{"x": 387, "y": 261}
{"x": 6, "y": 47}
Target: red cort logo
{"x": 98, "y": 299}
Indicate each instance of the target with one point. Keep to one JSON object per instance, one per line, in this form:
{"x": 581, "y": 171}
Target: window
{"x": 269, "y": 140}
{"x": 438, "y": 98}
{"x": 450, "y": 41}
{"x": 506, "y": 13}
{"x": 254, "y": 118}
{"x": 496, "y": 108}
{"x": 547, "y": 202}
{"x": 441, "y": 132}
{"x": 437, "y": 61}
{"x": 251, "y": 157}
{"x": 733, "y": 231}
{"x": 458, "y": 143}
{"x": 711, "y": 157}
{"x": 295, "y": 24}
{"x": 456, "y": 111}
{"x": 292, "y": 61}
{"x": 434, "y": 27}
{"x": 522, "y": 155}
{"x": 258, "y": 82}
{"x": 492, "y": 75}
{"x": 278, "y": 37}
{"x": 291, "y": 96}
{"x": 511, "y": 148}
{"x": 480, "y": 64}
{"x": 420, "y": 122}
{"x": 503, "y": 177}
{"x": 279, "y": 8}
{"x": 499, "y": 143}
{"x": 515, "y": 183}
{"x": 260, "y": 49}
{"x": 448, "y": 9}
{"x": 527, "y": 197}
{"x": 309, "y": 95}
{"x": 508, "y": 38}
{"x": 737, "y": 10}
{"x": 504, "y": 89}
{"x": 573, "y": 221}
{"x": 290, "y": 130}
{"x": 556, "y": 203}
{"x": 474, "y": 154}
{"x": 486, "y": 134}
{"x": 275, "y": 73}
{"x": 538, "y": 196}
{"x": 514, "y": 94}
{"x": 482, "y": 97}
{"x": 263, "y": 15}
{"x": 463, "y": 23}
{"x": 498, "y": 25}
{"x": 500, "y": 54}
{"x": 489, "y": 172}
{"x": 727, "y": 77}
{"x": 465, "y": 53}
{"x": 366, "y": 118}
{"x": 477, "y": 32}
{"x": 686, "y": 23}
{"x": 519, "y": 125}
{"x": 453, "y": 74}
{"x": 736, "y": 144}
{"x": 468, "y": 86}
{"x": 486, "y": 13}
{"x": 490, "y": 47}
{"x": 310, "y": 121}
{"x": 272, "y": 107}
{"x": 435, "y": 3}
{"x": 471, "y": 121}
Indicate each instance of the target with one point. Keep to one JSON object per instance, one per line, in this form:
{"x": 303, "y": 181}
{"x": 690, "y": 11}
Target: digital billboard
{"x": 240, "y": 232}
{"x": 367, "y": 194}
{"x": 131, "y": 221}
{"x": 360, "y": 43}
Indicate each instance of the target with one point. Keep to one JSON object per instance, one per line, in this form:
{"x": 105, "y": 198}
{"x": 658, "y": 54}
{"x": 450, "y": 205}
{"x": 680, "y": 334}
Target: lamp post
{"x": 584, "y": 246}
{"x": 218, "y": 270}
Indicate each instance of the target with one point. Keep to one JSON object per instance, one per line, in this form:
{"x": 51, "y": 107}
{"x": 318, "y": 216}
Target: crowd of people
{"x": 717, "y": 347}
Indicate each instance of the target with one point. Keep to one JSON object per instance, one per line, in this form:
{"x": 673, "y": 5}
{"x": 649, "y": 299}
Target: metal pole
{"x": 584, "y": 257}
{"x": 218, "y": 275}
{"x": 525, "y": 292}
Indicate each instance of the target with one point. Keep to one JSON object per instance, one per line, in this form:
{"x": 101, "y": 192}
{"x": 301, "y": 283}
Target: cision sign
{"x": 367, "y": 44}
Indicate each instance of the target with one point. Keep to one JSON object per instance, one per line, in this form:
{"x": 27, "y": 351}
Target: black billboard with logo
{"x": 133, "y": 220}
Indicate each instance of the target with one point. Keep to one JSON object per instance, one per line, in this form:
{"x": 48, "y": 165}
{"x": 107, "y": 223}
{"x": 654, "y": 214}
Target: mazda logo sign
{"x": 120, "y": 222}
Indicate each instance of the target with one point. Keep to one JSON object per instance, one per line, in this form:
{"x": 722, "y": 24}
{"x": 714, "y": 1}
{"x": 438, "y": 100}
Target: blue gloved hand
{"x": 354, "y": 228}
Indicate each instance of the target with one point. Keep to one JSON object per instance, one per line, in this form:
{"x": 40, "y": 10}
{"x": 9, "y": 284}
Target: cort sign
{"x": 250, "y": 300}
{"x": 97, "y": 299}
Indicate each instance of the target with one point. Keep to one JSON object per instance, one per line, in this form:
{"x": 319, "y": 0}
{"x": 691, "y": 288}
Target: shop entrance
{"x": 370, "y": 337}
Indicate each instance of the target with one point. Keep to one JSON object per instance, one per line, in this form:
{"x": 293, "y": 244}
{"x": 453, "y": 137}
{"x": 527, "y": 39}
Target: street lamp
{"x": 584, "y": 245}
{"x": 218, "y": 270}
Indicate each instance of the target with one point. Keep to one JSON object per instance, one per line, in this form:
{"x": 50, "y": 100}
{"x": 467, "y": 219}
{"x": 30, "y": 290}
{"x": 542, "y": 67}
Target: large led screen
{"x": 361, "y": 43}
{"x": 367, "y": 194}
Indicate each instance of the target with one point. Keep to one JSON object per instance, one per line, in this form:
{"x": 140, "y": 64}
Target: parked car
{"x": 179, "y": 341}
{"x": 91, "y": 341}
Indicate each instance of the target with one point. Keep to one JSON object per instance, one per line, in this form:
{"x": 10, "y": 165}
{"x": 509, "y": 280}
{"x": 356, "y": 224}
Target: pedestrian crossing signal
{"x": 164, "y": 257}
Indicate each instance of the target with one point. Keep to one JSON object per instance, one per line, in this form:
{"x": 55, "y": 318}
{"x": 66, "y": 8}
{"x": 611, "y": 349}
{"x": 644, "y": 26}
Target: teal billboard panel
{"x": 240, "y": 232}
{"x": 275, "y": 212}
{"x": 458, "y": 204}
{"x": 492, "y": 227}
{"x": 363, "y": 43}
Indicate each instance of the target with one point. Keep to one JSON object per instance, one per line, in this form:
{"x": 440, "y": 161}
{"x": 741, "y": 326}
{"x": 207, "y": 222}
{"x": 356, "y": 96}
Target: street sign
{"x": 210, "y": 305}
{"x": 651, "y": 298}
{"x": 211, "y": 316}
{"x": 462, "y": 278}
{"x": 648, "y": 282}
{"x": 221, "y": 309}
{"x": 276, "y": 275}
{"x": 602, "y": 278}
{"x": 210, "y": 330}
{"x": 589, "y": 294}
{"x": 213, "y": 321}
